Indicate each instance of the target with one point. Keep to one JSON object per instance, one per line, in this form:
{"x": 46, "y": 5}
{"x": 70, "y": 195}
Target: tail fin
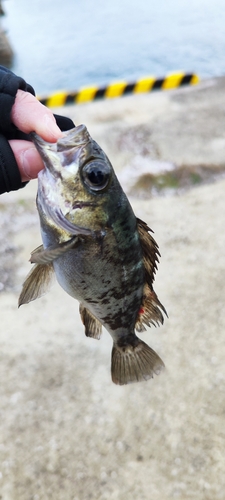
{"x": 134, "y": 361}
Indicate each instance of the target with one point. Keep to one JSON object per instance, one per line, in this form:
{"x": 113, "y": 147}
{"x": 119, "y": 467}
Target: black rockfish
{"x": 101, "y": 253}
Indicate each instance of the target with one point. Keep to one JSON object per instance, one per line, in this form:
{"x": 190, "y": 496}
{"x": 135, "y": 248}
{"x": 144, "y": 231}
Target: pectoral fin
{"x": 47, "y": 255}
{"x": 36, "y": 283}
{"x": 93, "y": 327}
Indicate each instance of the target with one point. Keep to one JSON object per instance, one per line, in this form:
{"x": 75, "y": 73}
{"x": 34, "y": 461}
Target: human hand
{"x": 29, "y": 115}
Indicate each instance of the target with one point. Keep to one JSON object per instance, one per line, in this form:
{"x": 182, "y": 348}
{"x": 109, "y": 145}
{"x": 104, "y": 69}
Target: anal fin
{"x": 134, "y": 361}
{"x": 93, "y": 327}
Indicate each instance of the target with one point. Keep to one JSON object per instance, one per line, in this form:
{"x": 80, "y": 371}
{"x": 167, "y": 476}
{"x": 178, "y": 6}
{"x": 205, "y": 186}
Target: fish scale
{"x": 101, "y": 254}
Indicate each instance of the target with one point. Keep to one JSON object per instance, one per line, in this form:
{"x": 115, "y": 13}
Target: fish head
{"x": 78, "y": 186}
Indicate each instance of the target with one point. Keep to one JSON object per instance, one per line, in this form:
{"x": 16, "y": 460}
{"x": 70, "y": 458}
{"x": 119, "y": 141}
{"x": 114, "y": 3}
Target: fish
{"x": 100, "y": 252}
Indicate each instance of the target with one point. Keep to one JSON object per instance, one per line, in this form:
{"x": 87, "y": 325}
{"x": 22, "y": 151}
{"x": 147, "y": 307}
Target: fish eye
{"x": 96, "y": 175}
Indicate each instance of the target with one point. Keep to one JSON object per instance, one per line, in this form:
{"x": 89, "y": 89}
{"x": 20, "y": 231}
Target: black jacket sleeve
{"x": 9, "y": 173}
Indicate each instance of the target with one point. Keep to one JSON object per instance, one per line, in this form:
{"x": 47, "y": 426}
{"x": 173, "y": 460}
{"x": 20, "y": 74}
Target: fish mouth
{"x": 47, "y": 151}
{"x": 42, "y": 145}
{"x": 75, "y": 137}
{"x": 55, "y": 155}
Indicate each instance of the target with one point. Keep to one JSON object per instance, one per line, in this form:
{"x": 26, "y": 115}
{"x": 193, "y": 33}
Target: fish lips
{"x": 74, "y": 138}
{"x": 48, "y": 153}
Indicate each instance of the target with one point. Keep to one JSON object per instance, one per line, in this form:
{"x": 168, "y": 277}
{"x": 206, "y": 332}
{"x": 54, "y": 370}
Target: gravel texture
{"x": 68, "y": 433}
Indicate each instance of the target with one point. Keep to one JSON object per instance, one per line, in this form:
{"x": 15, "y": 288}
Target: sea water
{"x": 67, "y": 44}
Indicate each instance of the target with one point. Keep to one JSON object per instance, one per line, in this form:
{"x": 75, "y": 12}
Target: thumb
{"x": 27, "y": 158}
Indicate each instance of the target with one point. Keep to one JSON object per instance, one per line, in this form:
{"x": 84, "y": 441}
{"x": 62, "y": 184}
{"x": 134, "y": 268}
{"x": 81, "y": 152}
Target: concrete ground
{"x": 68, "y": 433}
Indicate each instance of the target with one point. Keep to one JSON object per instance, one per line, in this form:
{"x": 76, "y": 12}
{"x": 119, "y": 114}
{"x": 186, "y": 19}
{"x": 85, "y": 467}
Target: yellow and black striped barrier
{"x": 119, "y": 89}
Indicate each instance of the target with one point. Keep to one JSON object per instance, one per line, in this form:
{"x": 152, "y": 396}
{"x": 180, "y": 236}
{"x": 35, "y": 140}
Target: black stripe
{"x": 129, "y": 88}
{"x": 44, "y": 101}
{"x": 70, "y": 98}
{"x": 100, "y": 93}
{"x": 158, "y": 84}
{"x": 186, "y": 79}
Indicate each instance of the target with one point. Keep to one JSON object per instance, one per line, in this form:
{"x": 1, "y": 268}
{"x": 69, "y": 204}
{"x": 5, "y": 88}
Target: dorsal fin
{"x": 150, "y": 312}
{"x": 150, "y": 251}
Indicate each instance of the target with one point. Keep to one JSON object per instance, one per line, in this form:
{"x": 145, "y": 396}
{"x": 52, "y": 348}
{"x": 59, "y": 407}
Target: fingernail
{"x": 51, "y": 126}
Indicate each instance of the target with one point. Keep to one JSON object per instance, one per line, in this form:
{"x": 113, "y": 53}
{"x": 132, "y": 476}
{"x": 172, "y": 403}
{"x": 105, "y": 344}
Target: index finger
{"x": 29, "y": 115}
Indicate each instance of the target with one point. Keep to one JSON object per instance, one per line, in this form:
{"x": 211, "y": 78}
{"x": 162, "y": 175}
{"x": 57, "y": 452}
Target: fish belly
{"x": 108, "y": 283}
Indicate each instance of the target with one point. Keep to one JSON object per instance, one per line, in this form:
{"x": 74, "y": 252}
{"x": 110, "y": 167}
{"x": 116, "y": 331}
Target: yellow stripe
{"x": 195, "y": 79}
{"x": 86, "y": 94}
{"x": 56, "y": 100}
{"x": 144, "y": 84}
{"x": 115, "y": 89}
{"x": 172, "y": 81}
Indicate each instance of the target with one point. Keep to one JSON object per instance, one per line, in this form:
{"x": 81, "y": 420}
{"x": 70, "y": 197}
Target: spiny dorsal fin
{"x": 93, "y": 327}
{"x": 37, "y": 283}
{"x": 150, "y": 251}
{"x": 150, "y": 312}
{"x": 134, "y": 361}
